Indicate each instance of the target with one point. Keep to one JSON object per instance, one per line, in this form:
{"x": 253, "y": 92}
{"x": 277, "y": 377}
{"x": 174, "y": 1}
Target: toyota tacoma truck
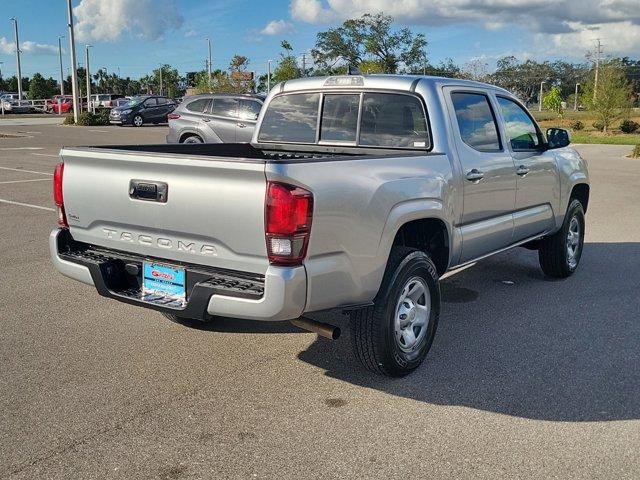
{"x": 356, "y": 193}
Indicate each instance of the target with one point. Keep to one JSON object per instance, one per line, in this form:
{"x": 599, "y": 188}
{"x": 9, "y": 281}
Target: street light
{"x": 74, "y": 75}
{"x": 19, "y": 70}
{"x": 88, "y": 77}
{"x": 269, "y": 75}
{"x": 60, "y": 37}
{"x": 209, "y": 61}
{"x": 540, "y": 97}
{"x": 575, "y": 98}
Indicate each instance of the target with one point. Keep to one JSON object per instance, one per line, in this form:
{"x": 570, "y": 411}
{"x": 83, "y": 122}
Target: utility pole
{"x": 424, "y": 64}
{"x": 269, "y": 75}
{"x": 19, "y": 70}
{"x": 61, "y": 69}
{"x": 595, "y": 81}
{"x": 540, "y": 96}
{"x": 209, "y": 61}
{"x": 304, "y": 64}
{"x": 88, "y": 75}
{"x": 575, "y": 98}
{"x": 74, "y": 73}
{"x": 160, "y": 79}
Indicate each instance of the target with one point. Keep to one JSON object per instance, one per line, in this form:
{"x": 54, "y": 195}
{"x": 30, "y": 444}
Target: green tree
{"x": 287, "y": 68}
{"x": 369, "y": 38}
{"x": 40, "y": 88}
{"x": 12, "y": 84}
{"x": 552, "y": 100}
{"x": 610, "y": 98}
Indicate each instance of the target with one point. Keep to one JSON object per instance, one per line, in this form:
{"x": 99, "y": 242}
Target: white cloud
{"x": 565, "y": 22}
{"x": 277, "y": 27}
{"x": 99, "y": 20}
{"x": 27, "y": 46}
{"x": 190, "y": 33}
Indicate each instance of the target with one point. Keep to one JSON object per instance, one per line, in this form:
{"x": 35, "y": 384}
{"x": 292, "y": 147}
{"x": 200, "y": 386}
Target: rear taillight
{"x": 173, "y": 116}
{"x": 57, "y": 195}
{"x": 288, "y": 213}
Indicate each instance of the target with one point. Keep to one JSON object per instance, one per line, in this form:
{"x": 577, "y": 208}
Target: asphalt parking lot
{"x": 527, "y": 377}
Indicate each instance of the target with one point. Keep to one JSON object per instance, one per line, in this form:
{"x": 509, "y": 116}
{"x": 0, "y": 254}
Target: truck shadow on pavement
{"x": 511, "y": 341}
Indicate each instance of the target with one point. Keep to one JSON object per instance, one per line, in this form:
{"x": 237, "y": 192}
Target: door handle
{"x": 475, "y": 175}
{"x": 241, "y": 125}
{"x": 522, "y": 170}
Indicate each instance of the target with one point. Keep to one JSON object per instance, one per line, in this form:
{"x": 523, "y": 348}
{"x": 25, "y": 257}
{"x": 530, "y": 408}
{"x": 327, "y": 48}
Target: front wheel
{"x": 137, "y": 121}
{"x": 192, "y": 139}
{"x": 560, "y": 254}
{"x": 393, "y": 336}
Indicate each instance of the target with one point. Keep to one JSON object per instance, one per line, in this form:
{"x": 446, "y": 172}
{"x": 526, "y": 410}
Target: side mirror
{"x": 558, "y": 137}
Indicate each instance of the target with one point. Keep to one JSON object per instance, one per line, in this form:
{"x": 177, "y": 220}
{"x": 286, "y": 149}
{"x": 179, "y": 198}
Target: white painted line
{"x": 101, "y": 131}
{"x": 26, "y": 171}
{"x": 46, "y": 155}
{"x": 2, "y": 200}
{"x": 23, "y": 181}
{"x": 22, "y": 148}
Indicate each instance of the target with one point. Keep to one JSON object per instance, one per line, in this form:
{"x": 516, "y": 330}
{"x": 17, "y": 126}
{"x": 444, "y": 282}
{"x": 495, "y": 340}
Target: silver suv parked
{"x": 215, "y": 118}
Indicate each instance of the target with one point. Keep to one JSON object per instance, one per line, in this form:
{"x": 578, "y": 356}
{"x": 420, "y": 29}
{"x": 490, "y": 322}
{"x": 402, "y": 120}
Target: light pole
{"x": 160, "y": 79}
{"x": 19, "y": 70}
{"x": 269, "y": 75}
{"x": 61, "y": 69}
{"x": 540, "y": 97}
{"x": 74, "y": 75}
{"x": 209, "y": 61}
{"x": 88, "y": 76}
{"x": 575, "y": 98}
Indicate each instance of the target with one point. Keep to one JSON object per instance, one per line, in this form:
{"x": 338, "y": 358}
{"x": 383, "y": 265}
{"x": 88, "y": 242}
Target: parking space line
{"x": 23, "y": 181}
{"x": 40, "y": 207}
{"x": 26, "y": 171}
{"x": 46, "y": 155}
{"x": 101, "y": 131}
{"x": 21, "y": 148}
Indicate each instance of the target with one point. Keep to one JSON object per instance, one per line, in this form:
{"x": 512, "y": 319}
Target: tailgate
{"x": 213, "y": 213}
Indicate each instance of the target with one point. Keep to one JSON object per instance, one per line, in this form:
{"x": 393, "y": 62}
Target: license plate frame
{"x": 164, "y": 280}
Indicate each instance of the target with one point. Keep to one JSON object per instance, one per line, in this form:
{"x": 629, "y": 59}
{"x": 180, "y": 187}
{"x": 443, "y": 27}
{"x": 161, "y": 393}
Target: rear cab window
{"x": 368, "y": 119}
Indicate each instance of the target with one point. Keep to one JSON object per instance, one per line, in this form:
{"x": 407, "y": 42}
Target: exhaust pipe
{"x": 323, "y": 329}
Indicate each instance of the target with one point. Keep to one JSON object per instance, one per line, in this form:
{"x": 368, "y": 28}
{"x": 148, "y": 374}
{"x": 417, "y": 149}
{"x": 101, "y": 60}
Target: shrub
{"x": 92, "y": 119}
{"x": 69, "y": 120}
{"x": 598, "y": 126}
{"x": 577, "y": 125}
{"x": 636, "y": 152}
{"x": 629, "y": 126}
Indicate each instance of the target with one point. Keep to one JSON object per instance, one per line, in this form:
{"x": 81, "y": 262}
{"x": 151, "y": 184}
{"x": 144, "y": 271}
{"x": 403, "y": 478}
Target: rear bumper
{"x": 278, "y": 295}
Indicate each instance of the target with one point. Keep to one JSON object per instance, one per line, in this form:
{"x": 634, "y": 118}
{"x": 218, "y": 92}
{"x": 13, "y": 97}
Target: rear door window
{"x": 150, "y": 102}
{"x": 224, "y": 107}
{"x": 339, "y": 117}
{"x": 476, "y": 121}
{"x": 198, "y": 106}
{"x": 291, "y": 118}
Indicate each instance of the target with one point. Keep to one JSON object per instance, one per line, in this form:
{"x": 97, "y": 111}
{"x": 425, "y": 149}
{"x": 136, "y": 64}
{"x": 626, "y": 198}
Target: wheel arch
{"x": 580, "y": 191}
{"x": 188, "y": 133}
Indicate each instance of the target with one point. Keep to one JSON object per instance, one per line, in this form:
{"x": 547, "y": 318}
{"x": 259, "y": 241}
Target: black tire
{"x": 192, "y": 139}
{"x": 133, "y": 121}
{"x": 554, "y": 254}
{"x": 374, "y": 328}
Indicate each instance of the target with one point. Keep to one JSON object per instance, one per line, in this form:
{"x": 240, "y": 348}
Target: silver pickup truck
{"x": 356, "y": 192}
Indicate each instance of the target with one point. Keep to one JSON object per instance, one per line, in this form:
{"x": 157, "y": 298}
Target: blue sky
{"x": 135, "y": 36}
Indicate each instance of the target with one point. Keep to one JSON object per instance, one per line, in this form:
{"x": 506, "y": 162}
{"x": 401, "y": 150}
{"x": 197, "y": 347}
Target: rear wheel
{"x": 137, "y": 121}
{"x": 560, "y": 254}
{"x": 393, "y": 336}
{"x": 193, "y": 139}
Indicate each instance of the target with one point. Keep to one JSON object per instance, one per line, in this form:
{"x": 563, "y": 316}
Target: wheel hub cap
{"x": 573, "y": 242}
{"x": 412, "y": 314}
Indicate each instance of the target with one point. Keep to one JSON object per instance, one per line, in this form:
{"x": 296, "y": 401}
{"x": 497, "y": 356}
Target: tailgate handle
{"x": 148, "y": 190}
